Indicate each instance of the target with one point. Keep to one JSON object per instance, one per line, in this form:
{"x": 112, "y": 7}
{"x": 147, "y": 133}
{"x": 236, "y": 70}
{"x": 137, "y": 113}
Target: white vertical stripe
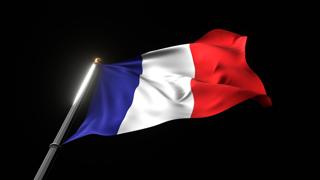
{"x": 164, "y": 91}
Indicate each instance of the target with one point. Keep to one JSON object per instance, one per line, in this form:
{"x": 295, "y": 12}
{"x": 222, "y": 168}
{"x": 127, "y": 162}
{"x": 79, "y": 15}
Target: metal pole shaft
{"x": 56, "y": 143}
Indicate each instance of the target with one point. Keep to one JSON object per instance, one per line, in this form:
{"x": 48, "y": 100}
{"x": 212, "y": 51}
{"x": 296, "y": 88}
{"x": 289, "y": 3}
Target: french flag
{"x": 193, "y": 80}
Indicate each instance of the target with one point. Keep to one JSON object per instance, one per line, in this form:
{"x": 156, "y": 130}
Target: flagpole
{"x": 53, "y": 147}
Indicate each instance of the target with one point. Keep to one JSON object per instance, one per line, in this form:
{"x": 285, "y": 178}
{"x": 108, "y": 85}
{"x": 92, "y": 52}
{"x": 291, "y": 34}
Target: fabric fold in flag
{"x": 194, "y": 80}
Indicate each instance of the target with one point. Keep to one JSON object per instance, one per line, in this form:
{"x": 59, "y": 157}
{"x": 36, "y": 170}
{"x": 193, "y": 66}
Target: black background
{"x": 57, "y": 45}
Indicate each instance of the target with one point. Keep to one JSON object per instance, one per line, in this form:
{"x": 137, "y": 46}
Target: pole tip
{"x": 97, "y": 60}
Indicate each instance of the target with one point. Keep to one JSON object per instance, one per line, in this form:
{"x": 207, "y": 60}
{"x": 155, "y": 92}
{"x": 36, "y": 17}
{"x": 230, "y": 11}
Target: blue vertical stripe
{"x": 112, "y": 98}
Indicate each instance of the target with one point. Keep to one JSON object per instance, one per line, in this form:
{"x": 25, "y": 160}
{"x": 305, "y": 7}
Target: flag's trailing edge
{"x": 187, "y": 81}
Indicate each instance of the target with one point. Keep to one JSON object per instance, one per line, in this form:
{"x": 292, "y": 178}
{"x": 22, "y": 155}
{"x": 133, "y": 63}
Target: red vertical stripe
{"x": 222, "y": 76}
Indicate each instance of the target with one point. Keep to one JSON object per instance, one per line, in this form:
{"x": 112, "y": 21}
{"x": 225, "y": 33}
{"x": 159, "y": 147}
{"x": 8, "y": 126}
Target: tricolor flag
{"x": 193, "y": 80}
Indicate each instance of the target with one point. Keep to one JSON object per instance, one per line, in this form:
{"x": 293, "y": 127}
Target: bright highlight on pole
{"x": 86, "y": 80}
{"x": 57, "y": 140}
